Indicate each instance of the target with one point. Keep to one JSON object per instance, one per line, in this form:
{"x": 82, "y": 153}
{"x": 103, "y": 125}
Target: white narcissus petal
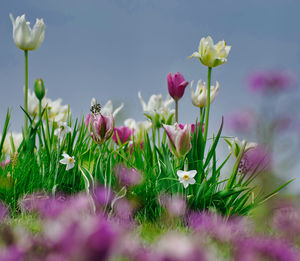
{"x": 64, "y": 161}
{"x": 185, "y": 183}
{"x": 192, "y": 181}
{"x": 192, "y": 173}
{"x": 180, "y": 173}
{"x": 70, "y": 166}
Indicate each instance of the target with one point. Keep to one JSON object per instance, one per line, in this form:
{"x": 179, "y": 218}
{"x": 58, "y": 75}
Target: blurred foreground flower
{"x": 242, "y": 121}
{"x": 128, "y": 176}
{"x": 176, "y": 85}
{"x": 179, "y": 139}
{"x": 24, "y": 37}
{"x": 186, "y": 177}
{"x": 210, "y": 54}
{"x": 67, "y": 160}
{"x": 270, "y": 82}
{"x": 175, "y": 205}
{"x": 199, "y": 97}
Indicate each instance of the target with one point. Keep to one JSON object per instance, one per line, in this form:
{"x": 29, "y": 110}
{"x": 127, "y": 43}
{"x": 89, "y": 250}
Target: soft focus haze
{"x": 111, "y": 49}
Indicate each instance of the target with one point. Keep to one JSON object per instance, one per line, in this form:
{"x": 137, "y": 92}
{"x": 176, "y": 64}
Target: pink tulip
{"x": 192, "y": 127}
{"x": 124, "y": 133}
{"x": 100, "y": 127}
{"x": 176, "y": 85}
{"x": 179, "y": 139}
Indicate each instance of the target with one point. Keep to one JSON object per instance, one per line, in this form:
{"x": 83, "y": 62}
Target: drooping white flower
{"x": 199, "y": 97}
{"x": 211, "y": 54}
{"x": 62, "y": 129}
{"x": 108, "y": 109}
{"x": 186, "y": 177}
{"x": 67, "y": 160}
{"x": 156, "y": 104}
{"x": 25, "y": 38}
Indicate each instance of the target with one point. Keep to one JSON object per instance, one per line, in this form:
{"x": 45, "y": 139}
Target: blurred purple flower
{"x": 241, "y": 121}
{"x": 175, "y": 205}
{"x": 217, "y": 227}
{"x": 124, "y": 133}
{"x": 287, "y": 221}
{"x": 128, "y": 176}
{"x": 270, "y": 82}
{"x": 264, "y": 248}
{"x": 3, "y": 211}
{"x": 255, "y": 160}
{"x": 176, "y": 85}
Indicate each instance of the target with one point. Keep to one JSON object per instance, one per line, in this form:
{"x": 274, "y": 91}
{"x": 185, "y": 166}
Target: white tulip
{"x": 108, "y": 108}
{"x": 235, "y": 146}
{"x": 156, "y": 104}
{"x": 210, "y": 54}
{"x": 199, "y": 97}
{"x": 25, "y": 38}
{"x": 139, "y": 128}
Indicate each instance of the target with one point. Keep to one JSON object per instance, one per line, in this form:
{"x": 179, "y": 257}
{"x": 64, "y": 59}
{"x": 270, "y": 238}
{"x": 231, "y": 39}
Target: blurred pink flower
{"x": 175, "y": 205}
{"x": 176, "y": 85}
{"x": 270, "y": 82}
{"x": 128, "y": 176}
{"x": 5, "y": 163}
{"x": 241, "y": 121}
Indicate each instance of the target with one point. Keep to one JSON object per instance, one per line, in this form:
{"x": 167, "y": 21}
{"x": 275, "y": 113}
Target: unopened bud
{"x": 39, "y": 89}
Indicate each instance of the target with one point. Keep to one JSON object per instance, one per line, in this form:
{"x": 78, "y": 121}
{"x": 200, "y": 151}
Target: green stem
{"x": 176, "y": 111}
{"x": 201, "y": 113}
{"x": 207, "y": 103}
{"x": 26, "y": 89}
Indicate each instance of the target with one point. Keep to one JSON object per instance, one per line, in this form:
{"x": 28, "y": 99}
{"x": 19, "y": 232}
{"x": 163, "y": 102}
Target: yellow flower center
{"x": 186, "y": 177}
{"x": 71, "y": 160}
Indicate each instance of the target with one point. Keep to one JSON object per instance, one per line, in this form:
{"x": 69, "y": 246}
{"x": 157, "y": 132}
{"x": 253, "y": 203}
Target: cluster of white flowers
{"x": 56, "y": 111}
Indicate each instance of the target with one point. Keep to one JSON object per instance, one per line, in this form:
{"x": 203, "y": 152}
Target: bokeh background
{"x": 111, "y": 49}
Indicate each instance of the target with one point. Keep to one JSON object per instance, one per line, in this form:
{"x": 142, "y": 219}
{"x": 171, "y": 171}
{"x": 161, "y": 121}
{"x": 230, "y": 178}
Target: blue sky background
{"x": 111, "y": 49}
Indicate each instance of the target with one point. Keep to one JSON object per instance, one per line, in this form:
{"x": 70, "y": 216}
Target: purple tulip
{"x": 124, "y": 133}
{"x": 100, "y": 127}
{"x": 179, "y": 139}
{"x": 176, "y": 85}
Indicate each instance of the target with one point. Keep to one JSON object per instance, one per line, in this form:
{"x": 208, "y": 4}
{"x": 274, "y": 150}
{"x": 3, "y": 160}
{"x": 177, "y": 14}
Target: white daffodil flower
{"x": 210, "y": 54}
{"x": 199, "y": 97}
{"x": 157, "y": 105}
{"x": 186, "y": 177}
{"x": 235, "y": 146}
{"x": 67, "y": 160}
{"x": 25, "y": 38}
{"x": 108, "y": 108}
{"x": 62, "y": 129}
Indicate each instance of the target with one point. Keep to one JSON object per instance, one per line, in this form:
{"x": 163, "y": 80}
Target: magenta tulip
{"x": 176, "y": 85}
{"x": 122, "y": 133}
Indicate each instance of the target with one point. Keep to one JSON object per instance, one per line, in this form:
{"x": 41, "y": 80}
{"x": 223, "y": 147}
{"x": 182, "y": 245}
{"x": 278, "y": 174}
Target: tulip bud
{"x": 100, "y": 126}
{"x": 39, "y": 89}
{"x": 179, "y": 139}
{"x": 199, "y": 97}
{"x": 122, "y": 134}
{"x": 176, "y": 85}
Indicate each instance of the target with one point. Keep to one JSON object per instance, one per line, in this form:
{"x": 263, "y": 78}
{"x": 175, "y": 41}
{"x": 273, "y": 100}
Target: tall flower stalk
{"x": 207, "y": 103}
